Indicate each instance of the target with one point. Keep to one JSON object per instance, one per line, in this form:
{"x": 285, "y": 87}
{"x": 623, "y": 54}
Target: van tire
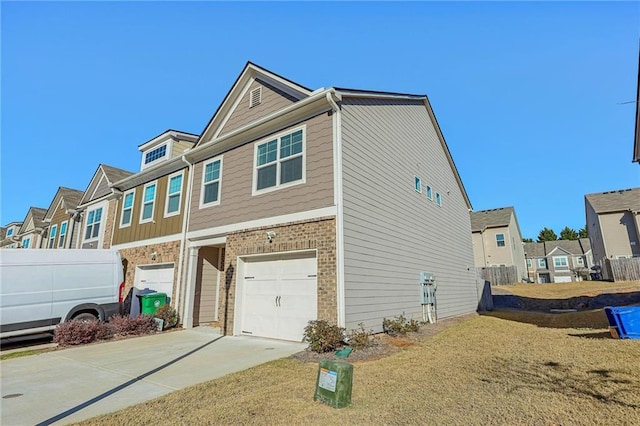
{"x": 86, "y": 317}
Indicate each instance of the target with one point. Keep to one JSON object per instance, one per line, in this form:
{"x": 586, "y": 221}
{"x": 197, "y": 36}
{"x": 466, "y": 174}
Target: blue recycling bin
{"x": 624, "y": 321}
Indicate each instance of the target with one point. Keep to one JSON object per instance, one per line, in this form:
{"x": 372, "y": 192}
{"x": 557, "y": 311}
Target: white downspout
{"x": 183, "y": 239}
{"x": 338, "y": 197}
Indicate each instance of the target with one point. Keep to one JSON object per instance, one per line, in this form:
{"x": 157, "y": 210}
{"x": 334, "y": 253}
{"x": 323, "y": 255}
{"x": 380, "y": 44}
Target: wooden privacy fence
{"x": 622, "y": 269}
{"x": 499, "y": 275}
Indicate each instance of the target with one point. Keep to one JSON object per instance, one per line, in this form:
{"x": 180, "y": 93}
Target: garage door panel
{"x": 279, "y": 296}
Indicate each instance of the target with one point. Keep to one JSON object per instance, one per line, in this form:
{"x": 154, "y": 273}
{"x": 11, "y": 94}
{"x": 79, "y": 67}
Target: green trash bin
{"x": 334, "y": 382}
{"x": 149, "y": 303}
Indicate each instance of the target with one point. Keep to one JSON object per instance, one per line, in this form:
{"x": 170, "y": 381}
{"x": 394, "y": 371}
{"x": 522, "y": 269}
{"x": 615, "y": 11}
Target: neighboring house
{"x": 613, "y": 223}
{"x": 636, "y": 136}
{"x": 10, "y": 238}
{"x": 497, "y": 240}
{"x": 149, "y": 218}
{"x": 559, "y": 261}
{"x": 98, "y": 208}
{"x": 63, "y": 220}
{"x": 322, "y": 204}
{"x": 33, "y": 229}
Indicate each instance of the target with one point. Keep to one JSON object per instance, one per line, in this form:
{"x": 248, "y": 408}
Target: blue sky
{"x": 530, "y": 96}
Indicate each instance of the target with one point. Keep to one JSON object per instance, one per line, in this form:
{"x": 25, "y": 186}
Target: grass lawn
{"x": 485, "y": 370}
{"x": 573, "y": 289}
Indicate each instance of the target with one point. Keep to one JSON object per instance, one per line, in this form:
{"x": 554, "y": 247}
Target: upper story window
{"x": 127, "y": 208}
{"x": 155, "y": 154}
{"x": 94, "y": 217}
{"x": 438, "y": 199}
{"x": 542, "y": 263}
{"x": 211, "y": 176}
{"x": 9, "y": 232}
{"x": 580, "y": 261}
{"x": 418, "y": 184}
{"x": 429, "y": 193}
{"x": 528, "y": 263}
{"x": 500, "y": 240}
{"x": 279, "y": 162}
{"x": 560, "y": 262}
{"x": 26, "y": 242}
{"x": 174, "y": 195}
{"x": 52, "y": 236}
{"x": 148, "y": 203}
{"x": 63, "y": 234}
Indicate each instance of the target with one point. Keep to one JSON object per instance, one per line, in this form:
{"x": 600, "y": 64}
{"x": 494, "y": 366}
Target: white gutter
{"x": 183, "y": 239}
{"x": 338, "y": 197}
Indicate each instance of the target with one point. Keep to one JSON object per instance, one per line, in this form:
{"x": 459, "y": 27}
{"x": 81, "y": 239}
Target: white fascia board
{"x": 150, "y": 241}
{"x": 219, "y": 231}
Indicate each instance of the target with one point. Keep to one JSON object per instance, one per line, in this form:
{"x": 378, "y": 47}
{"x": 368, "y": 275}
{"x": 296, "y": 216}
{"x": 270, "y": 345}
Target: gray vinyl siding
{"x": 392, "y": 232}
{"x": 272, "y": 101}
{"x": 102, "y": 190}
{"x": 237, "y": 204}
{"x": 595, "y": 234}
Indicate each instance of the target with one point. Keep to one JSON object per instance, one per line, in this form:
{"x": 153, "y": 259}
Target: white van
{"x": 41, "y": 288}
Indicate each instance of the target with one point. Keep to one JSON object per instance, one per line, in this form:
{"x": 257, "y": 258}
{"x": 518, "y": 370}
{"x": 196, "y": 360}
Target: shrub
{"x": 136, "y": 326}
{"x": 168, "y": 314}
{"x": 399, "y": 326}
{"x": 323, "y": 337}
{"x": 360, "y": 338}
{"x": 78, "y": 332}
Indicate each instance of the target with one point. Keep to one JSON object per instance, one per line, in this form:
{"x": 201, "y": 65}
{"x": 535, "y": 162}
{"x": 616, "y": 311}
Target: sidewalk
{"x": 70, "y": 385}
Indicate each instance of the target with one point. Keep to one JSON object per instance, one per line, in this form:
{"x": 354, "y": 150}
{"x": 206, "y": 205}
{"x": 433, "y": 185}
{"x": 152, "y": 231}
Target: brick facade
{"x": 318, "y": 234}
{"x": 165, "y": 253}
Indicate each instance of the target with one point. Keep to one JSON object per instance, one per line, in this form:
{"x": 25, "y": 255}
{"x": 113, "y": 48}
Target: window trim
{"x": 429, "y": 192}
{"x": 53, "y": 233}
{"x": 438, "y": 199}
{"x": 417, "y": 184}
{"x": 9, "y": 232}
{"x": 566, "y": 261}
{"x": 202, "y": 204}
{"x": 503, "y": 240}
{"x": 86, "y": 224}
{"x": 180, "y": 193}
{"x": 580, "y": 261}
{"x": 278, "y": 186}
{"x": 62, "y": 235}
{"x": 153, "y": 202}
{"x": 529, "y": 263}
{"x": 27, "y": 240}
{"x": 542, "y": 263}
{"x": 133, "y": 201}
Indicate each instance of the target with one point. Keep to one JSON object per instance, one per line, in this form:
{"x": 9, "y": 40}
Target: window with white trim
{"x": 127, "y": 208}
{"x": 148, "y": 202}
{"x": 52, "y": 235}
{"x": 63, "y": 234}
{"x": 429, "y": 193}
{"x": 560, "y": 262}
{"x": 26, "y": 242}
{"x": 500, "y": 240}
{"x": 174, "y": 195}
{"x": 10, "y": 232}
{"x": 92, "y": 229}
{"x": 438, "y": 199}
{"x": 155, "y": 154}
{"x": 580, "y": 261}
{"x": 542, "y": 263}
{"x": 280, "y": 161}
{"x": 418, "y": 184}
{"x": 211, "y": 176}
{"x": 528, "y": 263}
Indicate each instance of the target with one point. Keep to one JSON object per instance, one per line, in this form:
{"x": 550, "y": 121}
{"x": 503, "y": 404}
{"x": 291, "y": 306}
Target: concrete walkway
{"x": 70, "y": 385}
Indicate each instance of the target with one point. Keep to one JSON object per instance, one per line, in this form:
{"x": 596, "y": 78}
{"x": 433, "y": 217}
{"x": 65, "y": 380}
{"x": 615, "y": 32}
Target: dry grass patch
{"x": 568, "y": 290}
{"x": 485, "y": 370}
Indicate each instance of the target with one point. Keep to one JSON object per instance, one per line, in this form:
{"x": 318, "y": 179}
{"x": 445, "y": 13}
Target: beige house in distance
{"x": 33, "y": 229}
{"x": 10, "y": 237}
{"x": 613, "y": 222}
{"x": 63, "y": 220}
{"x": 497, "y": 240}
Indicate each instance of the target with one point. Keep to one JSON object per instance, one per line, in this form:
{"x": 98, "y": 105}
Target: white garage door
{"x": 279, "y": 296}
{"x": 562, "y": 279}
{"x": 155, "y": 277}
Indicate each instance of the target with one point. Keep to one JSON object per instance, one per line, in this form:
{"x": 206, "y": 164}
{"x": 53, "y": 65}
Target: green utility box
{"x": 149, "y": 303}
{"x": 333, "y": 384}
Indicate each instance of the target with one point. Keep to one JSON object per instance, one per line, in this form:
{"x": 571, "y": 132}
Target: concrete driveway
{"x": 74, "y": 384}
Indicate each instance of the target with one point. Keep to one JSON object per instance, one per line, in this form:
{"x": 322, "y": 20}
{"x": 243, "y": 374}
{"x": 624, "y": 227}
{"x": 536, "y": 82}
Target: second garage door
{"x": 155, "y": 277}
{"x": 279, "y": 296}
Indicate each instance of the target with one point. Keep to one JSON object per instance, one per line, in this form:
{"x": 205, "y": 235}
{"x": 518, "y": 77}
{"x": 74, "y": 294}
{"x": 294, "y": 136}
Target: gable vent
{"x": 255, "y": 97}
